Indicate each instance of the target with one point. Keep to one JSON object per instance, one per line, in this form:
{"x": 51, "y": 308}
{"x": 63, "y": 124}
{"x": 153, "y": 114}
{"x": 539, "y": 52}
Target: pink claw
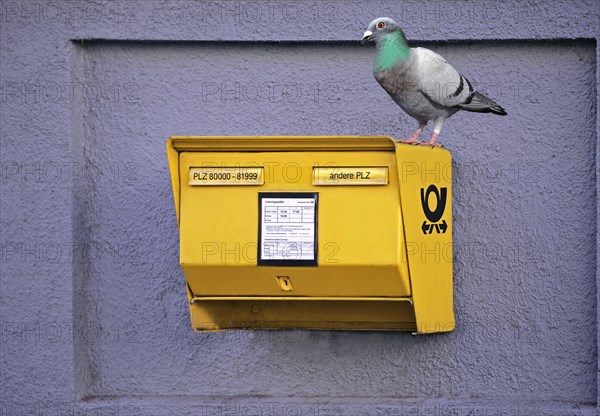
{"x": 413, "y": 139}
{"x": 432, "y": 141}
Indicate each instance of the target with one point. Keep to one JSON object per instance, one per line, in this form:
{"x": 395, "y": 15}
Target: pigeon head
{"x": 379, "y": 28}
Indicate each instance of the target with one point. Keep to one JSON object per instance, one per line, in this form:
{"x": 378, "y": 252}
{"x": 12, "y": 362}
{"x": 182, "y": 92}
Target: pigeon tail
{"x": 479, "y": 103}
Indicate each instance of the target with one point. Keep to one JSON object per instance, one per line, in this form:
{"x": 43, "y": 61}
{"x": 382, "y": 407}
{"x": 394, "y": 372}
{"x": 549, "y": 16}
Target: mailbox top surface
{"x": 279, "y": 143}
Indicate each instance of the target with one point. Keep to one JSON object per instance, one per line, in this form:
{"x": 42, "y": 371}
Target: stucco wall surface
{"x": 93, "y": 311}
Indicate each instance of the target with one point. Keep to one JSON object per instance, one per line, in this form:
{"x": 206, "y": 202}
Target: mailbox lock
{"x": 285, "y": 283}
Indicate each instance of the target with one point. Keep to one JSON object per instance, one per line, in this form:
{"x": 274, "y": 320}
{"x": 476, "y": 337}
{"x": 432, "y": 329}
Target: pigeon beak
{"x": 367, "y": 37}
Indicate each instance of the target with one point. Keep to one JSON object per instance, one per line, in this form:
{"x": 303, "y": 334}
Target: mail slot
{"x": 314, "y": 232}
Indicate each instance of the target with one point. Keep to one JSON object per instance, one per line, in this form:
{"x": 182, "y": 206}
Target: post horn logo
{"x": 435, "y": 215}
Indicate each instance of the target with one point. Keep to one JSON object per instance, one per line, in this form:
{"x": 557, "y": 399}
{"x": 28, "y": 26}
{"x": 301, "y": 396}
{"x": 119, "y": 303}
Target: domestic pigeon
{"x": 420, "y": 81}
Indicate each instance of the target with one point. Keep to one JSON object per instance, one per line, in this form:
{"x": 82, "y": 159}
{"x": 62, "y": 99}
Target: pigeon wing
{"x": 439, "y": 81}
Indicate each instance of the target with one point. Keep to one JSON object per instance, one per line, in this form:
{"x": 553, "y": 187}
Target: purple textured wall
{"x": 92, "y": 303}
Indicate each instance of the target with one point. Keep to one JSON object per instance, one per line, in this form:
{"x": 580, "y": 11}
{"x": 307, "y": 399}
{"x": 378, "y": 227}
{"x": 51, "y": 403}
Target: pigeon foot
{"x": 432, "y": 142}
{"x": 412, "y": 141}
{"x": 414, "y": 138}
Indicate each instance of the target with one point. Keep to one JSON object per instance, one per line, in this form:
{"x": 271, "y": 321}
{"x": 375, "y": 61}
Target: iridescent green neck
{"x": 390, "y": 49}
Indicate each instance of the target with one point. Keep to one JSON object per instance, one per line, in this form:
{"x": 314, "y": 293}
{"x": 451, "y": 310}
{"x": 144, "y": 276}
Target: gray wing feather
{"x": 439, "y": 81}
{"x": 479, "y": 103}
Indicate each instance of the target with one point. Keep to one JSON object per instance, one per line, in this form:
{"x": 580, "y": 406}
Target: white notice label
{"x": 288, "y": 229}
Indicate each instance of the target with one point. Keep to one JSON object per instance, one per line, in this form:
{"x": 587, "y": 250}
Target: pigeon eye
{"x": 380, "y": 25}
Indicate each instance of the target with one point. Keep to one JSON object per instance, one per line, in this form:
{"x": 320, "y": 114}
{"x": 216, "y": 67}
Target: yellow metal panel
{"x": 265, "y": 314}
{"x": 425, "y": 178}
{"x": 173, "y": 159}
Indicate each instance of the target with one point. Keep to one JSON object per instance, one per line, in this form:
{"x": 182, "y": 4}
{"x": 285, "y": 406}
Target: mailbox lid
{"x": 360, "y": 251}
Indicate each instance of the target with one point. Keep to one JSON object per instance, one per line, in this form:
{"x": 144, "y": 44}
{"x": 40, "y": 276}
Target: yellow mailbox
{"x": 315, "y": 232}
